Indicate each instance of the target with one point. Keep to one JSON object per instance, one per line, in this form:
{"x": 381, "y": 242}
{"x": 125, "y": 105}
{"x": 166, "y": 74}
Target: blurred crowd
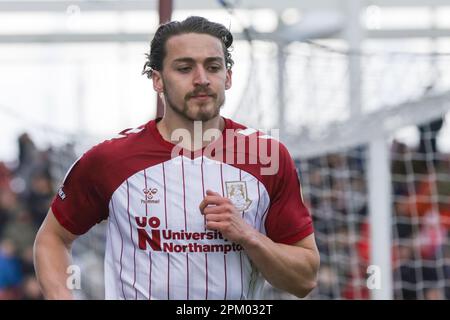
{"x": 336, "y": 190}
{"x": 25, "y": 195}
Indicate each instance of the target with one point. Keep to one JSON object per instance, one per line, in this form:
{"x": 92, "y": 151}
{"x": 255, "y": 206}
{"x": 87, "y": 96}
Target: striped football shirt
{"x": 157, "y": 244}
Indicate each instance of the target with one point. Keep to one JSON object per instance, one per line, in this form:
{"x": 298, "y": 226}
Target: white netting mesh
{"x": 335, "y": 187}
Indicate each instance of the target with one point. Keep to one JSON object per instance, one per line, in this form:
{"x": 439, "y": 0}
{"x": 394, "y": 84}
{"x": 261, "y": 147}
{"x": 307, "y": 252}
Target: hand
{"x": 221, "y": 215}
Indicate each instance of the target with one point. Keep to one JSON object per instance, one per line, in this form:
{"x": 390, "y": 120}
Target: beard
{"x": 201, "y": 111}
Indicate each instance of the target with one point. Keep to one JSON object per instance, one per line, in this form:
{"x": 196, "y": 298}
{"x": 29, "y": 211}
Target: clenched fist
{"x": 221, "y": 215}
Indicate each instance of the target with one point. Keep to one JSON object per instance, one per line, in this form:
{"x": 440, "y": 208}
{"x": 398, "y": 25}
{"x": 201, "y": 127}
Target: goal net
{"x": 376, "y": 177}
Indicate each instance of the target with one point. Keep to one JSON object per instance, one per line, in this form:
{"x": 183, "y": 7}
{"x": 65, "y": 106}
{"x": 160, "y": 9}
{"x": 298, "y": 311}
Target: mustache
{"x": 200, "y": 90}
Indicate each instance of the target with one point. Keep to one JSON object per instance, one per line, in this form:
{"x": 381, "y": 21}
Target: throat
{"x": 191, "y": 135}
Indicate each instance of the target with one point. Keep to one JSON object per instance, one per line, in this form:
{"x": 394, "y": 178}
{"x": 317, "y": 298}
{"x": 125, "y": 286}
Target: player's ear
{"x": 228, "y": 79}
{"x": 158, "y": 84}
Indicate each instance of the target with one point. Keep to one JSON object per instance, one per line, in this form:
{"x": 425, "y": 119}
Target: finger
{"x": 213, "y": 193}
{"x": 208, "y": 201}
{"x": 214, "y": 210}
{"x": 214, "y": 217}
{"x": 212, "y": 200}
{"x": 215, "y": 225}
{"x": 202, "y": 206}
{"x": 217, "y": 214}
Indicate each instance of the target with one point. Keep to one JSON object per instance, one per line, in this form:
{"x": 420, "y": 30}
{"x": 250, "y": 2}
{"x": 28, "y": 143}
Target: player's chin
{"x": 204, "y": 112}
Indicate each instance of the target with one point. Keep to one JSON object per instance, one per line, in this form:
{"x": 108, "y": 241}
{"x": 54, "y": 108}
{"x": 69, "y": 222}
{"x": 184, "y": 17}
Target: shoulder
{"x": 271, "y": 136}
{"x": 126, "y": 143}
{"x": 116, "y": 154}
{"x": 119, "y": 144}
{"x": 260, "y": 154}
{"x": 265, "y": 146}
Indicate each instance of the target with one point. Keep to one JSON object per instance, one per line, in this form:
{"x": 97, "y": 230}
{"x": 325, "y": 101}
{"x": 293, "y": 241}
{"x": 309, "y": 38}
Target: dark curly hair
{"x": 192, "y": 24}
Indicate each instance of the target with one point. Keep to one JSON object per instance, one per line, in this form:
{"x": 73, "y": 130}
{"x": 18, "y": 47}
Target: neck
{"x": 173, "y": 126}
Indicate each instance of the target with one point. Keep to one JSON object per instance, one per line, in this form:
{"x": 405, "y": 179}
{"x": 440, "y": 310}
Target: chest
{"x": 169, "y": 194}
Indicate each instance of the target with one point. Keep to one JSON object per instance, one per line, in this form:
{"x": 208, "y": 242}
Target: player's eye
{"x": 184, "y": 69}
{"x": 214, "y": 68}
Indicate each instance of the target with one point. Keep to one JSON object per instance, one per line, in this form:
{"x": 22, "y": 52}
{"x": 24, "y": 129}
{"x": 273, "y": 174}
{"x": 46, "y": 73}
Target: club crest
{"x": 237, "y": 193}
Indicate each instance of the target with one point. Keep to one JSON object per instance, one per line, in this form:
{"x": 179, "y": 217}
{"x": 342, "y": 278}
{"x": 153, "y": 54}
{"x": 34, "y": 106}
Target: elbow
{"x": 305, "y": 289}
{"x": 311, "y": 282}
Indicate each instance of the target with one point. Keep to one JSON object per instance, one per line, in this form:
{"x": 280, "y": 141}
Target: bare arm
{"x": 52, "y": 257}
{"x": 292, "y": 268}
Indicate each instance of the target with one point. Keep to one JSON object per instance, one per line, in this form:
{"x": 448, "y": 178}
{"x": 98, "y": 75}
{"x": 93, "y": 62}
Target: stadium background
{"x": 358, "y": 89}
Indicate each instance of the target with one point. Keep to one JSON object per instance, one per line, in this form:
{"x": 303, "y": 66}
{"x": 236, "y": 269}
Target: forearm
{"x": 292, "y": 268}
{"x": 289, "y": 268}
{"x": 52, "y": 257}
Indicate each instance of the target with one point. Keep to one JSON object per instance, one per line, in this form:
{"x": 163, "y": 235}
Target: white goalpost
{"x": 380, "y": 215}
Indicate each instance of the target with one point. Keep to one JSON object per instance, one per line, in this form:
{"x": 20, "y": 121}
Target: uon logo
{"x": 154, "y": 238}
{"x": 167, "y": 240}
{"x": 150, "y": 195}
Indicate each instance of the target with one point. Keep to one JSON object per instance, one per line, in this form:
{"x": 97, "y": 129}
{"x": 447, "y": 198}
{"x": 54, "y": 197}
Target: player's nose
{"x": 201, "y": 77}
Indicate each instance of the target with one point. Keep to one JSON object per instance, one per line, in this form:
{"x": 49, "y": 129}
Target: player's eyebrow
{"x": 191, "y": 60}
{"x": 214, "y": 59}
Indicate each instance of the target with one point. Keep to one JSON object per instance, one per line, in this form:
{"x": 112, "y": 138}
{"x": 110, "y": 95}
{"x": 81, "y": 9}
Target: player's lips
{"x": 202, "y": 96}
